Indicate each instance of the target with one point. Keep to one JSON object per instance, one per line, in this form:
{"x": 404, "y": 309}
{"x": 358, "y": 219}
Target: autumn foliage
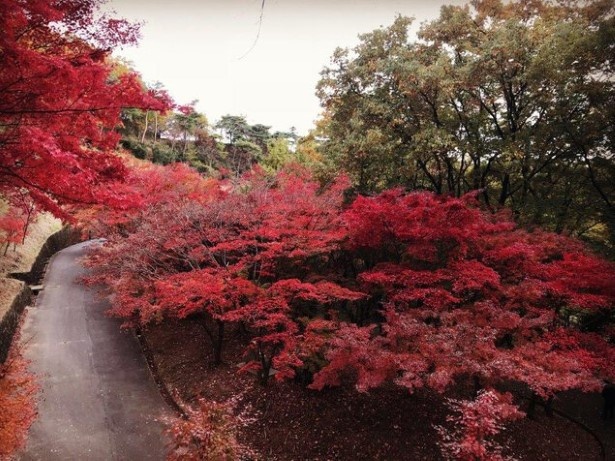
{"x": 17, "y": 400}
{"x": 209, "y": 432}
{"x": 60, "y": 102}
{"x": 11, "y": 229}
{"x": 475, "y": 424}
{"x": 464, "y": 293}
{"x": 413, "y": 289}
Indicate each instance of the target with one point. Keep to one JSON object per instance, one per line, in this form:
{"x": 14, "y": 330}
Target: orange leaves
{"x": 209, "y": 432}
{"x": 17, "y": 401}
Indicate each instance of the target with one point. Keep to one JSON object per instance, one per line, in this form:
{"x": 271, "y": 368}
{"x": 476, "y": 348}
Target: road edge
{"x": 10, "y": 320}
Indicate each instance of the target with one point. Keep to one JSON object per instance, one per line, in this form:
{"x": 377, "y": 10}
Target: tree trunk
{"x": 27, "y": 224}
{"x": 155, "y": 127}
{"x": 505, "y": 188}
{"x": 216, "y": 338}
{"x": 218, "y": 343}
{"x": 531, "y": 409}
{"x": 263, "y": 373}
{"x": 146, "y": 126}
{"x": 549, "y": 407}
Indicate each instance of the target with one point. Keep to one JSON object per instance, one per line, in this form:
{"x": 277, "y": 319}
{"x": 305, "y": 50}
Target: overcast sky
{"x": 197, "y": 49}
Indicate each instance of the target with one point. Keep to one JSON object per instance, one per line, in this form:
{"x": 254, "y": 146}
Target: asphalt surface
{"x": 98, "y": 399}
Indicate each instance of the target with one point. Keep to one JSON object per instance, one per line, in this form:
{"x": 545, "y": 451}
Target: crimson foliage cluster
{"x": 410, "y": 288}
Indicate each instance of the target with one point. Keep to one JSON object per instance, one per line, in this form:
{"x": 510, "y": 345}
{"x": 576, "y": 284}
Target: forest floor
{"x": 295, "y": 423}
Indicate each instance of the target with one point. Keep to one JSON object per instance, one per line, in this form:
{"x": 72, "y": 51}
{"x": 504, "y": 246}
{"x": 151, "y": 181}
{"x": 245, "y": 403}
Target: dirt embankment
{"x": 24, "y": 266}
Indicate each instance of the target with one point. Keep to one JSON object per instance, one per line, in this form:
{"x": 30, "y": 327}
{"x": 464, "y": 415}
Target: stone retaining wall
{"x": 65, "y": 237}
{"x": 9, "y": 321}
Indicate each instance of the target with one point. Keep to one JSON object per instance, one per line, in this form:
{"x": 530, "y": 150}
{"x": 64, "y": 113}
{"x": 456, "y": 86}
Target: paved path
{"x": 98, "y": 400}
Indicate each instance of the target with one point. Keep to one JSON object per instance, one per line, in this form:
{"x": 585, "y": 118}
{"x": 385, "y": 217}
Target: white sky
{"x": 194, "y": 48}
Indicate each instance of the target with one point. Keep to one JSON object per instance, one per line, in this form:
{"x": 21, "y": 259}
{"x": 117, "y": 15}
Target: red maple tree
{"x": 459, "y": 293}
{"x": 219, "y": 255}
{"x": 413, "y": 289}
{"x": 60, "y": 101}
{"x": 475, "y": 424}
{"x": 11, "y": 230}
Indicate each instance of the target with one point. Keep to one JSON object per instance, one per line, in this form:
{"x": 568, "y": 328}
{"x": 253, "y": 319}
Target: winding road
{"x": 98, "y": 399}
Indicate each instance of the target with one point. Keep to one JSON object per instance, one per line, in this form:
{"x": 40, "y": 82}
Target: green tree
{"x": 233, "y": 127}
{"x": 259, "y": 134}
{"x": 307, "y": 151}
{"x": 140, "y": 129}
{"x": 160, "y": 92}
{"x": 278, "y": 155}
{"x": 514, "y": 99}
{"x": 183, "y": 125}
{"x": 241, "y": 156}
{"x": 209, "y": 152}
